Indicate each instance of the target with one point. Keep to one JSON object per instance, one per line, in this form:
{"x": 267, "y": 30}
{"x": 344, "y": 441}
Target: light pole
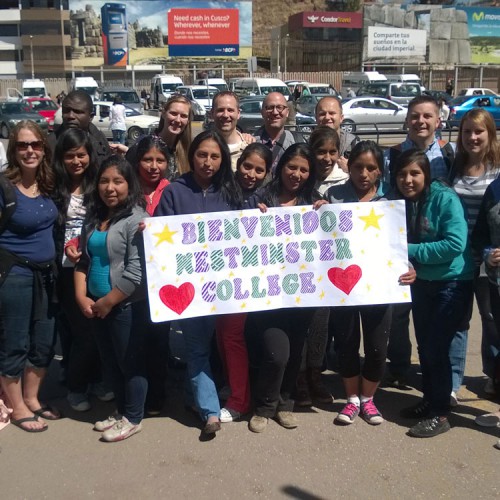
{"x": 31, "y": 52}
{"x": 286, "y": 46}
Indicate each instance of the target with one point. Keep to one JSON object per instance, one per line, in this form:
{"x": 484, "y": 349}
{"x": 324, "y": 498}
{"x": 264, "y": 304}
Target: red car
{"x": 43, "y": 106}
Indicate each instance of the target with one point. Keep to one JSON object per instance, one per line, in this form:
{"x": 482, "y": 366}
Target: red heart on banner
{"x": 177, "y": 299}
{"x": 345, "y": 279}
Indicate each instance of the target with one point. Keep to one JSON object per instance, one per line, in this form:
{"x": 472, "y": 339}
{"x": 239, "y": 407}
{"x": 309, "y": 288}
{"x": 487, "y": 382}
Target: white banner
{"x": 242, "y": 261}
{"x": 395, "y": 42}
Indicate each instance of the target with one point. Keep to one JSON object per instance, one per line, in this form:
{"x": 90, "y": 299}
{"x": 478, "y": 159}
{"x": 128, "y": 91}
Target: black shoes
{"x": 430, "y": 427}
{"x": 420, "y": 410}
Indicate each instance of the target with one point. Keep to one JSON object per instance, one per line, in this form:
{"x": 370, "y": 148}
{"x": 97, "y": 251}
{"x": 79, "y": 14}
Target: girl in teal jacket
{"x": 439, "y": 249}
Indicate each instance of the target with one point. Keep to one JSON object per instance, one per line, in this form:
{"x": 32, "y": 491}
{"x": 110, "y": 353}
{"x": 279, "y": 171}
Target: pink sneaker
{"x": 370, "y": 413}
{"x": 348, "y": 414}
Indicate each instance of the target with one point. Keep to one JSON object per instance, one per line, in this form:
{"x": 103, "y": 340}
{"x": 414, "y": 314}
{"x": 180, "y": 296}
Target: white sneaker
{"x": 489, "y": 419}
{"x": 228, "y": 415}
{"x": 453, "y": 400}
{"x": 104, "y": 425}
{"x": 123, "y": 429}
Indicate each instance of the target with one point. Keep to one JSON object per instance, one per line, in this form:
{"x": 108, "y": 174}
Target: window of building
{"x": 9, "y": 30}
{"x": 37, "y": 28}
{"x": 9, "y": 4}
{"x": 9, "y": 55}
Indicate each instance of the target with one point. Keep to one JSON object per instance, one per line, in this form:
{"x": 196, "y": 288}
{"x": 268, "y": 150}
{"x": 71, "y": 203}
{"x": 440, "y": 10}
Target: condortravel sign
{"x": 317, "y": 19}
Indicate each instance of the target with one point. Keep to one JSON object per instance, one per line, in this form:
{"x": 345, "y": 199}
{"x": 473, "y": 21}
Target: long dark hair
{"x": 147, "y": 143}
{"x": 363, "y": 147}
{"x": 307, "y": 194}
{"x": 97, "y": 211}
{"x": 72, "y": 138}
{"x": 260, "y": 150}
{"x": 223, "y": 180}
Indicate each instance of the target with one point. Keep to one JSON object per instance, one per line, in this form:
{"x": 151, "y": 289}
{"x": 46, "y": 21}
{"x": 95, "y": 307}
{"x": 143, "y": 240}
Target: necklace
{"x": 35, "y": 189}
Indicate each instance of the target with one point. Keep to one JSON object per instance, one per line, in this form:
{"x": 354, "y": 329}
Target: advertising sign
{"x": 203, "y": 32}
{"x": 315, "y": 19}
{"x": 484, "y": 32}
{"x": 395, "y": 42}
{"x": 229, "y": 262}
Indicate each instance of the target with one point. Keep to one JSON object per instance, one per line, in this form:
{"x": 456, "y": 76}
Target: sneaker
{"x": 302, "y": 396}
{"x": 420, "y": 410}
{"x": 229, "y": 415}
{"x": 286, "y": 419}
{"x": 257, "y": 423}
{"x": 453, "y": 399}
{"x": 104, "y": 425}
{"x": 489, "y": 387}
{"x": 370, "y": 413}
{"x": 348, "y": 414}
{"x": 101, "y": 392}
{"x": 489, "y": 419}
{"x": 430, "y": 427}
{"x": 78, "y": 401}
{"x": 497, "y": 445}
{"x": 122, "y": 429}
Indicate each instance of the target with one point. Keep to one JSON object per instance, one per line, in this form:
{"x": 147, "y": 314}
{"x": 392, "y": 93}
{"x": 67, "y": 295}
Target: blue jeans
{"x": 399, "y": 347}
{"x": 495, "y": 341}
{"x": 198, "y": 333}
{"x": 24, "y": 341}
{"x": 439, "y": 308}
{"x": 119, "y": 136}
{"x": 120, "y": 338}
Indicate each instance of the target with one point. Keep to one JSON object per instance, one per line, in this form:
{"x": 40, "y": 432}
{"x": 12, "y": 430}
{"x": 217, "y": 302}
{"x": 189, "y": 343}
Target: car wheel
{"x": 4, "y": 131}
{"x": 134, "y": 133}
{"x": 348, "y": 126}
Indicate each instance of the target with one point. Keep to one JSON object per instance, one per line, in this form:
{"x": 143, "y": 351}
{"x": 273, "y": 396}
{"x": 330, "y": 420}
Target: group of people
{"x": 71, "y": 254}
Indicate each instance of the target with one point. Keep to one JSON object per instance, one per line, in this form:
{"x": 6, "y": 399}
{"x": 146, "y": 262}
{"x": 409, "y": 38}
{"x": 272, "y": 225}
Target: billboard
{"x": 203, "y": 32}
{"x": 484, "y": 32}
{"x": 394, "y": 42}
{"x": 146, "y": 30}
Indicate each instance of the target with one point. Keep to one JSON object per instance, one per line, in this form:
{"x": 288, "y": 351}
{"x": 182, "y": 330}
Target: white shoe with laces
{"x": 229, "y": 415}
{"x": 123, "y": 429}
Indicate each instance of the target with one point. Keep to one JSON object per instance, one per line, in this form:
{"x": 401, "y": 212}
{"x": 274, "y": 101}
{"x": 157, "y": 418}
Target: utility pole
{"x": 31, "y": 52}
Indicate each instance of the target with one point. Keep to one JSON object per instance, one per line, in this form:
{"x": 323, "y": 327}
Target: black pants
{"x": 277, "y": 339}
{"x": 376, "y": 321}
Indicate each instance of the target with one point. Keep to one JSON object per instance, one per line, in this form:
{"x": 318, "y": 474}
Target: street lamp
{"x": 31, "y": 52}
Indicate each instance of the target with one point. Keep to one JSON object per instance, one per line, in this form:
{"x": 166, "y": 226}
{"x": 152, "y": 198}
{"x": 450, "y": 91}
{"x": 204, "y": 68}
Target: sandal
{"x": 19, "y": 423}
{"x": 47, "y": 413}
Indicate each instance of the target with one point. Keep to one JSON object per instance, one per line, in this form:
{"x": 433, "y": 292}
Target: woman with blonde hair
{"x": 476, "y": 167}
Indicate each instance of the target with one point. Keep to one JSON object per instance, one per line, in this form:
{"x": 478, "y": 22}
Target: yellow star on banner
{"x": 268, "y": 302}
{"x": 303, "y": 267}
{"x": 371, "y": 220}
{"x": 401, "y": 230}
{"x": 368, "y": 288}
{"x": 243, "y": 305}
{"x": 231, "y": 274}
{"x": 262, "y": 272}
{"x": 319, "y": 278}
{"x": 334, "y": 234}
{"x": 297, "y": 300}
{"x": 392, "y": 205}
{"x": 322, "y": 294}
{"x": 389, "y": 263}
{"x": 243, "y": 241}
{"x": 165, "y": 235}
{"x": 362, "y": 251}
{"x": 202, "y": 279}
{"x": 405, "y": 295}
{"x": 199, "y": 217}
{"x": 213, "y": 309}
{"x": 151, "y": 258}
{"x": 342, "y": 301}
{"x": 163, "y": 268}
{"x": 303, "y": 209}
{"x": 205, "y": 245}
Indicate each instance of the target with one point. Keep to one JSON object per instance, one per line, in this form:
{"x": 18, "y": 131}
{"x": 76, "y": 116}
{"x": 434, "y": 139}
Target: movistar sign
{"x": 481, "y": 16}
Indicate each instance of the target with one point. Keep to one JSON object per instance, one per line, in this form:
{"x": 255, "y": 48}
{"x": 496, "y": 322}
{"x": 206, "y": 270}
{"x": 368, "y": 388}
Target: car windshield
{"x": 34, "y": 92}
{"x": 459, "y": 100}
{"x": 202, "y": 93}
{"x": 44, "y": 105}
{"x": 405, "y": 90}
{"x": 126, "y": 96}
{"x": 131, "y": 112}
{"x": 377, "y": 90}
{"x": 267, "y": 90}
{"x": 169, "y": 87}
{"x": 322, "y": 90}
{"x": 13, "y": 108}
{"x": 89, "y": 90}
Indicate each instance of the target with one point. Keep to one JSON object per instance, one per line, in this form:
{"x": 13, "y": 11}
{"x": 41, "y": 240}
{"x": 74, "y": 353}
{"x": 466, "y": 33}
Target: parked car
{"x": 201, "y": 96}
{"x": 137, "y": 123}
{"x": 12, "y": 113}
{"x": 400, "y": 93}
{"x": 44, "y": 106}
{"x": 476, "y": 91}
{"x": 460, "y": 105}
{"x": 306, "y": 104}
{"x": 128, "y": 95}
{"x": 439, "y": 94}
{"x": 369, "y": 113}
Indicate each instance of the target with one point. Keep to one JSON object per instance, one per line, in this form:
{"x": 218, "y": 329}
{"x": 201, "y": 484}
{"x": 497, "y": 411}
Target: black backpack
{"x": 10, "y": 202}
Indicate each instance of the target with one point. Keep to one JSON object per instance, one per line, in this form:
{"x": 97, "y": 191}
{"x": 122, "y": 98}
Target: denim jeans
{"x": 439, "y": 309}
{"x": 198, "y": 334}
{"x": 495, "y": 342}
{"x": 120, "y": 339}
{"x": 119, "y": 136}
{"x": 399, "y": 347}
{"x": 24, "y": 341}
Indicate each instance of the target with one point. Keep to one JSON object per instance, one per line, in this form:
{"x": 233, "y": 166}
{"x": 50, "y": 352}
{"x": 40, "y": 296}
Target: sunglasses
{"x": 35, "y": 145}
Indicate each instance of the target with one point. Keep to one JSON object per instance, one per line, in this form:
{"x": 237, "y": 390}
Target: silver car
{"x": 372, "y": 113}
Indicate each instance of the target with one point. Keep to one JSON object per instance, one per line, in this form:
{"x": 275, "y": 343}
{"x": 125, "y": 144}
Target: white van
{"x": 34, "y": 88}
{"x": 261, "y": 86}
{"x": 162, "y": 87}
{"x": 87, "y": 84}
{"x": 406, "y": 78}
{"x": 220, "y": 83}
{"x": 355, "y": 80}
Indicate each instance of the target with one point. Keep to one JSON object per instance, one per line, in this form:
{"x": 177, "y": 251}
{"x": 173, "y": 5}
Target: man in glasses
{"x": 273, "y": 133}
{"x": 77, "y": 112}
